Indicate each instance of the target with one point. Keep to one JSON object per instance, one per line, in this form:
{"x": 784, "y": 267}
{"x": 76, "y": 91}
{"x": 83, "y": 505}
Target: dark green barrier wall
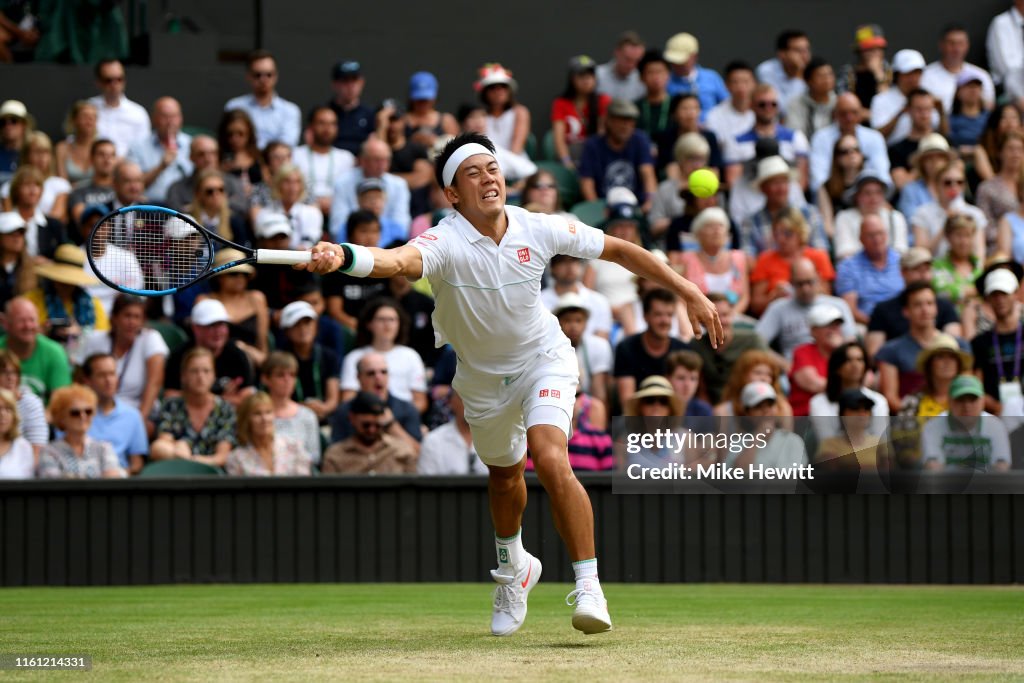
{"x": 421, "y": 529}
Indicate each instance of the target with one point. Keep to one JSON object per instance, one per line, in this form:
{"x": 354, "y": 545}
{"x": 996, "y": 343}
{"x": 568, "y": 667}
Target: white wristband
{"x": 362, "y": 261}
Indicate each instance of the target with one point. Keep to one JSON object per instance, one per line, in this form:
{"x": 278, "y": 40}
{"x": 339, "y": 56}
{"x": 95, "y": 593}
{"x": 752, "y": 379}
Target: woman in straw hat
{"x": 66, "y": 310}
{"x": 655, "y": 401}
{"x": 932, "y": 154}
{"x": 940, "y": 362}
{"x": 249, "y": 323}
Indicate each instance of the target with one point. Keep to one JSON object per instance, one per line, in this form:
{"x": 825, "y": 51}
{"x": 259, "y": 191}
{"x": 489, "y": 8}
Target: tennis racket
{"x": 152, "y": 251}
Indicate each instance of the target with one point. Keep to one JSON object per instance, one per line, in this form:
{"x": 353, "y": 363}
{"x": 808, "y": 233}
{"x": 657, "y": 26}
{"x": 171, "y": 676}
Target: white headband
{"x": 460, "y": 155}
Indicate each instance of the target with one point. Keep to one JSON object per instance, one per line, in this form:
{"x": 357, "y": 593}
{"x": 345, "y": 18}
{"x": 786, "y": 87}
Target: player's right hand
{"x": 327, "y": 258}
{"x": 704, "y": 313}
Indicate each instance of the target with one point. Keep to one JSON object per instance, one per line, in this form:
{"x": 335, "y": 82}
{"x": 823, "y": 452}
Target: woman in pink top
{"x": 714, "y": 267}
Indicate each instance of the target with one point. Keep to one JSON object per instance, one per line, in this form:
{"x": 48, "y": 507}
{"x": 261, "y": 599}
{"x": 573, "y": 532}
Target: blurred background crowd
{"x": 863, "y": 250}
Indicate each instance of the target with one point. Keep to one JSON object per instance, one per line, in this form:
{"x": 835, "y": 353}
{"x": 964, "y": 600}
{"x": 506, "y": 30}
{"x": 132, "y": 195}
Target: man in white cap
{"x": 889, "y": 115}
{"x": 280, "y": 285}
{"x": 781, "y": 447}
{"x": 235, "y": 375}
{"x": 774, "y": 183}
{"x": 681, "y": 52}
{"x": 809, "y": 372}
{"x": 785, "y": 320}
{"x": 517, "y": 374}
{"x": 316, "y": 385}
{"x": 997, "y": 353}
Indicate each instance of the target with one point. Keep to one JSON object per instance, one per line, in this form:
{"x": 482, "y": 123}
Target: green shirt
{"x": 46, "y": 369}
{"x": 948, "y": 282}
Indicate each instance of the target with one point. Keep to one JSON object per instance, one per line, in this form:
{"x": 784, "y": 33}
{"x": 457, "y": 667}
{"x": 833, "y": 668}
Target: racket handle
{"x": 284, "y": 257}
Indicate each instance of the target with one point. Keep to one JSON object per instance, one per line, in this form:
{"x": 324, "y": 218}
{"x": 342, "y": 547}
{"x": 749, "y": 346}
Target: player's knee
{"x": 505, "y": 478}
{"x": 552, "y": 465}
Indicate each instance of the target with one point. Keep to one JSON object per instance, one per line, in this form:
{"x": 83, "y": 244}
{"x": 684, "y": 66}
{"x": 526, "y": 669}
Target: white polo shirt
{"x": 322, "y": 171}
{"x": 487, "y": 296}
{"x": 124, "y": 125}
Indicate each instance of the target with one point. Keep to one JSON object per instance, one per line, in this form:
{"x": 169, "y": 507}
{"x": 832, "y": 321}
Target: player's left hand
{"x": 327, "y": 258}
{"x": 703, "y": 313}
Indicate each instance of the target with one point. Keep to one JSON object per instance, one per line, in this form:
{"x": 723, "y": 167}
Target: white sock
{"x": 511, "y": 555}
{"x": 586, "y": 573}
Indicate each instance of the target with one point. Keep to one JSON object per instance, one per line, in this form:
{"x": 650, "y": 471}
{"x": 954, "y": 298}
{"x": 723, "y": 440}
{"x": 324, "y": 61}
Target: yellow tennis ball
{"x": 703, "y": 183}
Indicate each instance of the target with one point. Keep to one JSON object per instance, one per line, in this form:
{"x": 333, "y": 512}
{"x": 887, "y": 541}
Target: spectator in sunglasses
{"x": 77, "y": 455}
{"x": 274, "y": 117}
{"x": 929, "y": 219}
{"x": 120, "y": 120}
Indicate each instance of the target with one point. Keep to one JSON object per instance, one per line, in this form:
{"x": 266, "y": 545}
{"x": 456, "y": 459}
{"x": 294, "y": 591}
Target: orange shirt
{"x": 774, "y": 269}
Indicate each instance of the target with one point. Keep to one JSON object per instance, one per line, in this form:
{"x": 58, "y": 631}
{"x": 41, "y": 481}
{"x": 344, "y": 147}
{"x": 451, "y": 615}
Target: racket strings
{"x": 149, "y": 250}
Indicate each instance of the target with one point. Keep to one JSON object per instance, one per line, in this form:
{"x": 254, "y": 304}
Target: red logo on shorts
{"x": 543, "y": 393}
{"x": 524, "y": 255}
{"x": 553, "y": 393}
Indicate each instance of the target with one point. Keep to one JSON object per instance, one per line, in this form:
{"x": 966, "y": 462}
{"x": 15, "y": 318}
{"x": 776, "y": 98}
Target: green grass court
{"x": 415, "y": 632}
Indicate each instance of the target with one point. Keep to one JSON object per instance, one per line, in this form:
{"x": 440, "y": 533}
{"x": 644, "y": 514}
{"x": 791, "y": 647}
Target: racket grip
{"x": 284, "y": 257}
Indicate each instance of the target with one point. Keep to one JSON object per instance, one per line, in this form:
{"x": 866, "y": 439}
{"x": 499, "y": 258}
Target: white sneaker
{"x": 591, "y": 613}
{"x": 510, "y": 597}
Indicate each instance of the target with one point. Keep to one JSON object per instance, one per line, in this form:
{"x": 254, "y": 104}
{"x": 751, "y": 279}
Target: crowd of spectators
{"x": 864, "y": 253}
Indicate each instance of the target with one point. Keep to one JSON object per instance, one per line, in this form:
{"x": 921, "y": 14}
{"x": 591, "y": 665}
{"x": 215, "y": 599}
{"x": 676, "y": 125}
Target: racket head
{"x": 149, "y": 250}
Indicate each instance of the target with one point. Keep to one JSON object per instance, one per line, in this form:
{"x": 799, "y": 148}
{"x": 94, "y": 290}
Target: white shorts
{"x": 497, "y": 406}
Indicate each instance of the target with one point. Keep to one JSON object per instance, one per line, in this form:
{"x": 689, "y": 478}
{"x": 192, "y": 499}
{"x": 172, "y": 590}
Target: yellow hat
{"x": 67, "y": 267}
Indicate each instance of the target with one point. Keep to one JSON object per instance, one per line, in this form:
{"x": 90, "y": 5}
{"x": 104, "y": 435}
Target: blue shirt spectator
{"x": 274, "y": 117}
{"x": 681, "y": 52}
{"x": 149, "y": 155}
{"x": 871, "y": 284}
{"x": 123, "y": 429}
{"x": 280, "y": 120}
{"x": 706, "y": 84}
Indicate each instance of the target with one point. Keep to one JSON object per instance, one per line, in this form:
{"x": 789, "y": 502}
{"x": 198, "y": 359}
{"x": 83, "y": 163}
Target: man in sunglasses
{"x": 793, "y": 147}
{"x": 274, "y": 117}
{"x": 118, "y": 118}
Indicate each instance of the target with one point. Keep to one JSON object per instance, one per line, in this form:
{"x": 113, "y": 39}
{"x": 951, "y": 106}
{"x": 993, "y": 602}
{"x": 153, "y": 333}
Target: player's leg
{"x": 506, "y": 488}
{"x": 573, "y": 517}
{"x": 570, "y": 504}
{"x": 501, "y": 443}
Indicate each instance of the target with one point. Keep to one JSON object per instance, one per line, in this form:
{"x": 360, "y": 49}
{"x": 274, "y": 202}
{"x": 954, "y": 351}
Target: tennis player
{"x": 517, "y": 373}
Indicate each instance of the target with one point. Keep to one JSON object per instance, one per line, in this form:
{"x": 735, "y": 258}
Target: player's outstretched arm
{"x": 642, "y": 262}
{"x": 405, "y": 261}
